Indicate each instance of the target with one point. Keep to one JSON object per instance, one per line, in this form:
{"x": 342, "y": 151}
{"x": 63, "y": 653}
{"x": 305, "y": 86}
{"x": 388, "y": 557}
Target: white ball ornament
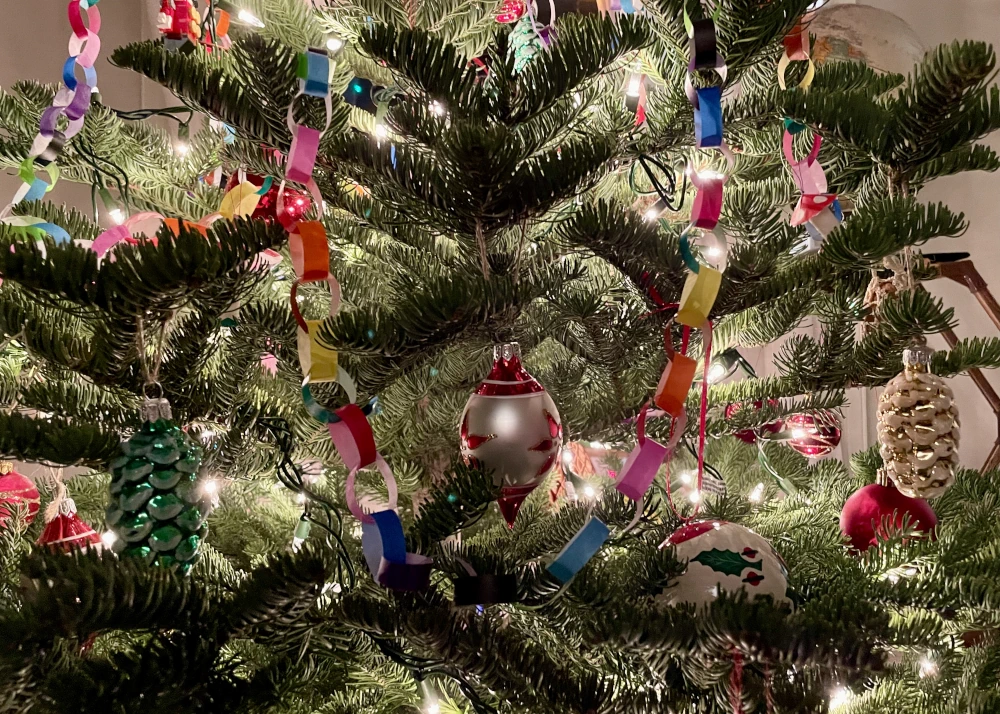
{"x": 724, "y": 557}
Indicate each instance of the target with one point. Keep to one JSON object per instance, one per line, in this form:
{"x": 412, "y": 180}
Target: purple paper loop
{"x": 384, "y": 547}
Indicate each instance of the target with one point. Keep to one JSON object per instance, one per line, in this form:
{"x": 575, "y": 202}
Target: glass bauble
{"x": 723, "y": 557}
{"x": 511, "y": 427}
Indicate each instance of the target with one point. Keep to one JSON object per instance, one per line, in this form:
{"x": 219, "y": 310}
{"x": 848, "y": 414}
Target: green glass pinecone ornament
{"x": 157, "y": 508}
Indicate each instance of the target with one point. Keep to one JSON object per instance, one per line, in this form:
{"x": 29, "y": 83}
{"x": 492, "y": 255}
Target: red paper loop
{"x": 352, "y": 436}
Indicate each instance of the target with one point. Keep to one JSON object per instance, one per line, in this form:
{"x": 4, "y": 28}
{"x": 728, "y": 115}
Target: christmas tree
{"x": 429, "y": 255}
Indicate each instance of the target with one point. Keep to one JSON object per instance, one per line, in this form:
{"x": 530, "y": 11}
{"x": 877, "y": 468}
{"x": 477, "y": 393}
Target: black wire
{"x": 665, "y": 194}
{"x": 708, "y": 467}
{"x": 318, "y": 510}
{"x": 142, "y": 114}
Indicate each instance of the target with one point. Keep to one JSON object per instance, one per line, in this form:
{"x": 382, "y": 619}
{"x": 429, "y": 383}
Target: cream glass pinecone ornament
{"x": 918, "y": 427}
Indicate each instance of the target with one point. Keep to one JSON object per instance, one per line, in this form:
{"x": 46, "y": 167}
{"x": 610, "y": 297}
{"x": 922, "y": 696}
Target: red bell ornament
{"x": 66, "y": 531}
{"x": 813, "y": 435}
{"x": 511, "y": 427}
{"x": 16, "y": 488}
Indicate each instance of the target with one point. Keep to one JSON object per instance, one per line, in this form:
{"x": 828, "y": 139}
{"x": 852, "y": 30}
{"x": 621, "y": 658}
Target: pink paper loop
{"x": 109, "y": 238}
{"x": 302, "y": 155}
{"x": 350, "y": 494}
{"x": 808, "y": 173}
{"x": 640, "y": 468}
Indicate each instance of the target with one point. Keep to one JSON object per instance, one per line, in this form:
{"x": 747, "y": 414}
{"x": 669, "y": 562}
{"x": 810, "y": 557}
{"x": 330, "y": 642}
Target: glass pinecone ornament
{"x": 157, "y": 508}
{"x": 511, "y": 427}
{"x": 918, "y": 427}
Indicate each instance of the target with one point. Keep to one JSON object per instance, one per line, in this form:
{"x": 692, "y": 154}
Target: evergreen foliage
{"x": 511, "y": 215}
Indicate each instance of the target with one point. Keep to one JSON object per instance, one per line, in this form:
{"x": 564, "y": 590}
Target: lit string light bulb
{"x": 302, "y": 529}
{"x": 334, "y": 44}
{"x": 108, "y": 538}
{"x": 757, "y": 495}
{"x": 117, "y": 216}
{"x": 839, "y": 697}
{"x": 695, "y": 496}
{"x": 634, "y": 85}
{"x": 589, "y": 492}
{"x": 248, "y": 18}
{"x": 928, "y": 667}
{"x": 436, "y": 108}
{"x": 181, "y": 148}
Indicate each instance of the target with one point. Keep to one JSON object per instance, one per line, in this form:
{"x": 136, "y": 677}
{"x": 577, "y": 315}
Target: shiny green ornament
{"x": 157, "y": 507}
{"x": 526, "y": 42}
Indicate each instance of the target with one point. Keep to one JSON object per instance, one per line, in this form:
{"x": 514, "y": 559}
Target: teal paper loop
{"x": 792, "y": 126}
{"x": 313, "y": 407}
{"x": 266, "y": 186}
{"x": 689, "y": 260}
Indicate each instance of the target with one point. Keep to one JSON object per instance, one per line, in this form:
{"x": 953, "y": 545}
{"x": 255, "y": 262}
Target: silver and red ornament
{"x": 813, "y": 435}
{"x": 65, "y": 530}
{"x": 16, "y": 489}
{"x": 511, "y": 427}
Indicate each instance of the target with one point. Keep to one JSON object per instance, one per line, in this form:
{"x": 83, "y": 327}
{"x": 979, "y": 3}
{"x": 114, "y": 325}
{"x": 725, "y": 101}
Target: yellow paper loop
{"x": 241, "y": 200}
{"x": 698, "y": 297}
{"x": 318, "y": 362}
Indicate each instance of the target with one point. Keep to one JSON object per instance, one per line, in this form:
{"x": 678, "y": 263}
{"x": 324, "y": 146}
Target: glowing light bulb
{"x": 589, "y": 492}
{"x": 380, "y": 131}
{"x": 577, "y": 99}
{"x": 634, "y": 85}
{"x": 695, "y": 496}
{"x": 713, "y": 252}
{"x": 117, "y": 216}
{"x": 247, "y": 17}
{"x": 799, "y": 433}
{"x": 108, "y": 538}
{"x": 757, "y": 495}
{"x": 839, "y": 697}
{"x": 210, "y": 488}
{"x": 334, "y": 44}
{"x": 928, "y": 668}
{"x": 686, "y": 477}
{"x": 432, "y": 708}
{"x": 436, "y": 107}
{"x": 181, "y": 148}
{"x": 301, "y": 498}
{"x": 716, "y": 373}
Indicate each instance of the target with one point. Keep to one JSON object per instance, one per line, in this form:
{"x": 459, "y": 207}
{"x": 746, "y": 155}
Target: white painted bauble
{"x": 866, "y": 34}
{"x": 724, "y": 557}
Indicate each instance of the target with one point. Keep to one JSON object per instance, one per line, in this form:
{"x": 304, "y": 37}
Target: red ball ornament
{"x": 813, "y": 435}
{"x": 16, "y": 488}
{"x": 511, "y": 11}
{"x": 511, "y": 427}
{"x": 67, "y": 530}
{"x": 877, "y": 510}
{"x": 297, "y": 203}
{"x": 749, "y": 436}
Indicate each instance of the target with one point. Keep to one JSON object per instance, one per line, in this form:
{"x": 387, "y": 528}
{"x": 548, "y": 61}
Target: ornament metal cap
{"x": 917, "y": 354}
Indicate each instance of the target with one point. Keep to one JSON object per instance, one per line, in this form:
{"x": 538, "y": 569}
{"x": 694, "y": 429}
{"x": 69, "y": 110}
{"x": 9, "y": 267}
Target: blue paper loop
{"x": 37, "y": 190}
{"x": 579, "y": 550}
{"x": 316, "y": 82}
{"x": 708, "y": 118}
{"x": 69, "y": 76}
{"x": 384, "y": 547}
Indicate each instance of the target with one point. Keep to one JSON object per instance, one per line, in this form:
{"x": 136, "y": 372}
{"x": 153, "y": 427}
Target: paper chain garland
{"x": 796, "y": 49}
{"x": 817, "y": 209}
{"x": 72, "y": 102}
{"x": 180, "y": 23}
